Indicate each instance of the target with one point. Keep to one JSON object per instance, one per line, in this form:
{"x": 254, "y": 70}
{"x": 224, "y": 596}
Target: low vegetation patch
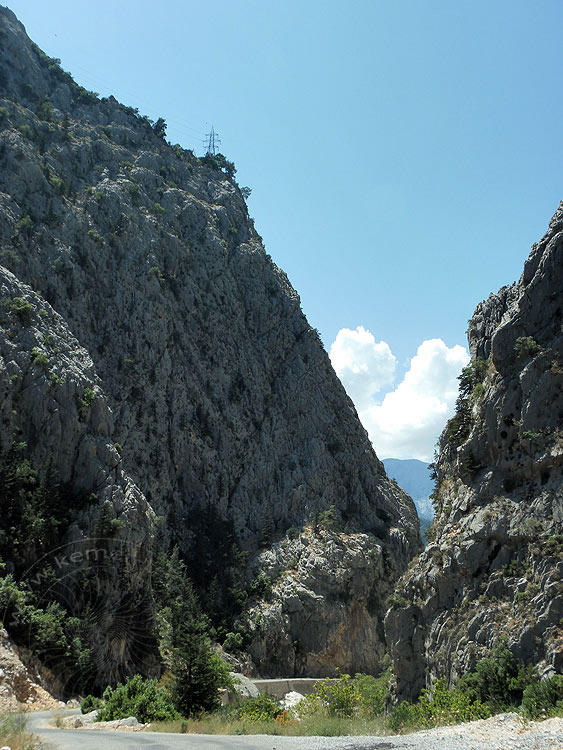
{"x": 137, "y": 697}
{"x": 361, "y": 705}
{"x": 543, "y": 699}
{"x": 436, "y": 707}
{"x": 285, "y": 725}
{"x": 14, "y": 733}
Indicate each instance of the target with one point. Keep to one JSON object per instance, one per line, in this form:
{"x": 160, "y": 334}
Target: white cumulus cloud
{"x": 363, "y": 365}
{"x": 409, "y": 419}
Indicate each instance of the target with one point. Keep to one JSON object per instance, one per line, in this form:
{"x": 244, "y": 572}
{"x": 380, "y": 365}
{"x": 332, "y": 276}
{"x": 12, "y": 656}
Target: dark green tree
{"x": 185, "y": 646}
{"x": 498, "y": 679}
{"x": 159, "y": 127}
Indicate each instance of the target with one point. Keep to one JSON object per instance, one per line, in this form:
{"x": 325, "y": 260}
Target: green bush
{"x": 437, "y": 707}
{"x": 262, "y": 708}
{"x": 545, "y": 698}
{"x": 140, "y": 698}
{"x": 498, "y": 680}
{"x": 50, "y": 632}
{"x": 39, "y": 358}
{"x": 45, "y": 110}
{"x": 26, "y": 131}
{"x": 478, "y": 392}
{"x": 35, "y": 508}
{"x": 553, "y": 546}
{"x": 156, "y": 273}
{"x": 526, "y": 346}
{"x": 220, "y": 162}
{"x": 374, "y": 692}
{"x": 261, "y": 587}
{"x": 329, "y": 519}
{"x": 335, "y": 697}
{"x": 83, "y": 96}
{"x": 25, "y": 226}
{"x": 36, "y": 511}
{"x": 233, "y": 642}
{"x": 21, "y": 309}
{"x": 396, "y": 601}
{"x": 58, "y": 184}
{"x": 159, "y": 127}
{"x": 134, "y": 191}
{"x": 91, "y": 703}
{"x": 88, "y": 398}
{"x": 95, "y": 236}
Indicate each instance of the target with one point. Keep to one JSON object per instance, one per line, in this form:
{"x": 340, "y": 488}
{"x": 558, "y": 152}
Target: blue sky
{"x": 403, "y": 155}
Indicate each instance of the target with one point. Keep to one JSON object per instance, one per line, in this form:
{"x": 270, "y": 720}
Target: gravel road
{"x": 502, "y": 732}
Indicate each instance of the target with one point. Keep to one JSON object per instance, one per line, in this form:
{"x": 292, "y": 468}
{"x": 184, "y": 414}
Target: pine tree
{"x": 185, "y": 645}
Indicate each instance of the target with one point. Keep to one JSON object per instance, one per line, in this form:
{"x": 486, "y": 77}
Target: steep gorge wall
{"x": 494, "y": 566}
{"x": 54, "y": 409}
{"x": 222, "y": 394}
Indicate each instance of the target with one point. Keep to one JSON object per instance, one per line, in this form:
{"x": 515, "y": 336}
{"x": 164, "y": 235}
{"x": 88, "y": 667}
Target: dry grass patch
{"x": 321, "y": 726}
{"x": 14, "y": 734}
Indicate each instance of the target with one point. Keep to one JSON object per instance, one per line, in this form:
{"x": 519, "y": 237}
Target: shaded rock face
{"x": 220, "y": 392}
{"x": 51, "y": 402}
{"x": 495, "y": 563}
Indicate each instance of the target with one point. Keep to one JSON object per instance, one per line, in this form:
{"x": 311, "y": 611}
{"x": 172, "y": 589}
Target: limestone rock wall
{"x": 325, "y": 610}
{"x": 52, "y": 403}
{"x": 221, "y": 393}
{"x": 495, "y": 563}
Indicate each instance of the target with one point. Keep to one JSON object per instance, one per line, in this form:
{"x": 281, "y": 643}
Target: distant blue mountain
{"x": 414, "y": 477}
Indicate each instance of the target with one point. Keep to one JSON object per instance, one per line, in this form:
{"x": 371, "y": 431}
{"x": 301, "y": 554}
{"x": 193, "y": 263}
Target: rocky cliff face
{"x": 495, "y": 564}
{"x": 53, "y": 407}
{"x": 221, "y": 394}
{"x": 20, "y": 684}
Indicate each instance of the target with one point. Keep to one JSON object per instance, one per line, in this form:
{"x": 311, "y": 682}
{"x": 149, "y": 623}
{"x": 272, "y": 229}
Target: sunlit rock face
{"x": 216, "y": 390}
{"x": 494, "y": 566}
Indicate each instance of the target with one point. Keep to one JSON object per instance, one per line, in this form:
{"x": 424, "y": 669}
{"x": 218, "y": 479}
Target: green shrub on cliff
{"x": 526, "y": 346}
{"x": 55, "y": 637}
{"x": 459, "y": 426}
{"x": 498, "y": 680}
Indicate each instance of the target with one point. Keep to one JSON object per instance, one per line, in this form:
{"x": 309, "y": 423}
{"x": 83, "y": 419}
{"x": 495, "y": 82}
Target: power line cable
{"x": 98, "y": 82}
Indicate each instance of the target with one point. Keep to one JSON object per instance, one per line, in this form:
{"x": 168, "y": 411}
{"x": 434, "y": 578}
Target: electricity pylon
{"x": 212, "y": 141}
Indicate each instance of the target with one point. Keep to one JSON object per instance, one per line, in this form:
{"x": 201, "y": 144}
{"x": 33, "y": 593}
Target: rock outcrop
{"x": 221, "y": 394}
{"x": 323, "y": 612}
{"x": 19, "y": 684}
{"x": 494, "y": 566}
